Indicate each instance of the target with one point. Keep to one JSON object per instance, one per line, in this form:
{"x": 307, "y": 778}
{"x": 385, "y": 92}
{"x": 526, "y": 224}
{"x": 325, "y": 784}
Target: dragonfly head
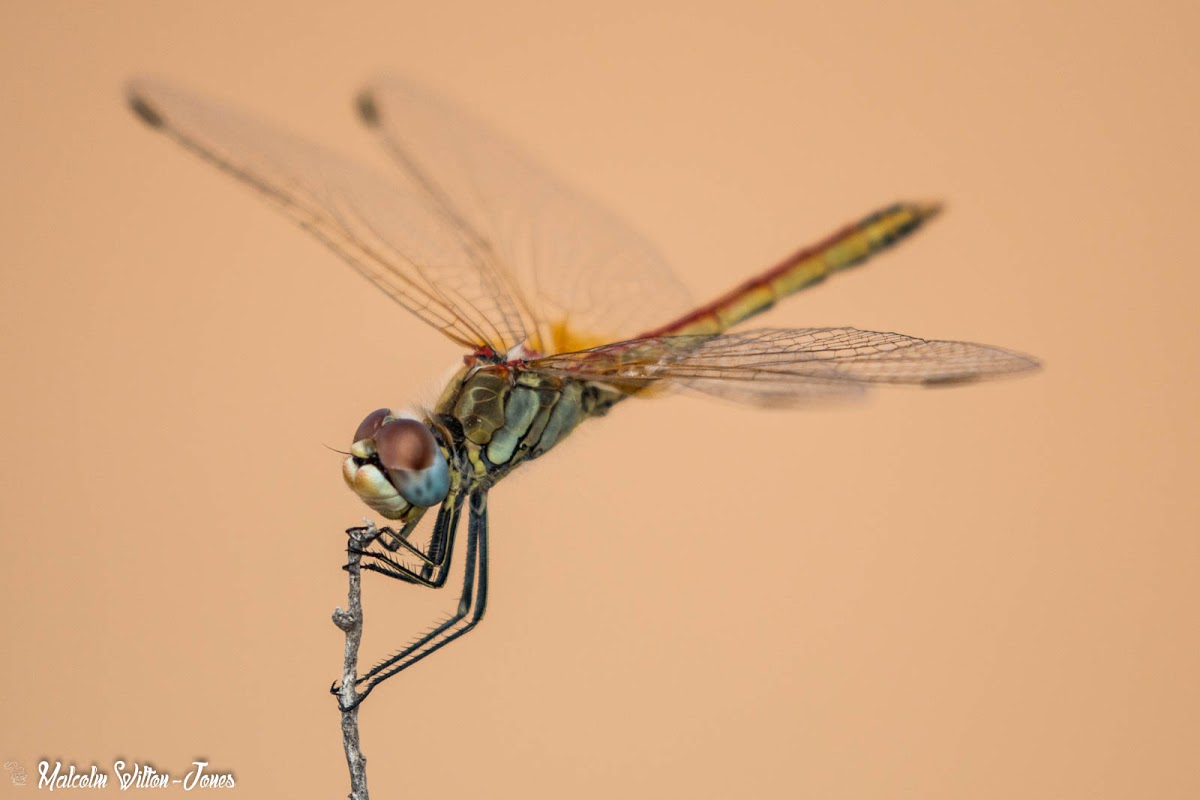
{"x": 395, "y": 465}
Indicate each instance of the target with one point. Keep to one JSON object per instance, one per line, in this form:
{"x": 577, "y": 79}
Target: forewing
{"x": 586, "y": 277}
{"x": 787, "y": 366}
{"x": 389, "y": 228}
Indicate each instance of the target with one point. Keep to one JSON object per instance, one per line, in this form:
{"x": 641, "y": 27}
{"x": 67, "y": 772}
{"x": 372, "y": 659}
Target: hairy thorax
{"x": 499, "y": 414}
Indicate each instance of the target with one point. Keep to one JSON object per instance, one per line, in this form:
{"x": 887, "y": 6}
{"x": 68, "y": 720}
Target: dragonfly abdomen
{"x": 850, "y": 246}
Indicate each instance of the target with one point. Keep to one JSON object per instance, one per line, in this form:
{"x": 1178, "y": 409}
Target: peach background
{"x": 980, "y": 593}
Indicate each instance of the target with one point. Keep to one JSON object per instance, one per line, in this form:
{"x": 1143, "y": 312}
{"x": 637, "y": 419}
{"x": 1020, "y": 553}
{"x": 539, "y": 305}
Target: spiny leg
{"x": 437, "y": 550}
{"x": 475, "y": 575}
{"x": 436, "y": 563}
{"x": 397, "y": 539}
{"x": 394, "y": 540}
{"x": 473, "y": 599}
{"x": 444, "y": 530}
{"x": 440, "y": 545}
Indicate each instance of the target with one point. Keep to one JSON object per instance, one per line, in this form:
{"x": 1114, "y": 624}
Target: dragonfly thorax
{"x": 505, "y": 414}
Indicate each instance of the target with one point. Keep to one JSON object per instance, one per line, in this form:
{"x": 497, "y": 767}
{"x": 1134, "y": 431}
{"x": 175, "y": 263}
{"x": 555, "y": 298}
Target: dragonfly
{"x": 564, "y": 312}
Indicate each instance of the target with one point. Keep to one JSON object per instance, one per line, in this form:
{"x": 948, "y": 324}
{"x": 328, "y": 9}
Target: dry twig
{"x": 350, "y": 621}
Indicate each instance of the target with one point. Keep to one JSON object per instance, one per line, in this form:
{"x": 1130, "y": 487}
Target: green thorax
{"x": 507, "y": 414}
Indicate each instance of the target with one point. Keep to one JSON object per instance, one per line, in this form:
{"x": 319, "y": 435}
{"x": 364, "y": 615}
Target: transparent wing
{"x": 787, "y": 366}
{"x": 391, "y": 229}
{"x": 586, "y": 277}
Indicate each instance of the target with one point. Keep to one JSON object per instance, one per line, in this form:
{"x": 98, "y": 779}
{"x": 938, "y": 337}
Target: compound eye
{"x": 401, "y": 443}
{"x": 370, "y": 424}
{"x": 412, "y": 459}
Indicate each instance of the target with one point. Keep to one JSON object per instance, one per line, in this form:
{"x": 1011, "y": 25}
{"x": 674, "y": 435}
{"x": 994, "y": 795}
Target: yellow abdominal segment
{"x": 846, "y": 248}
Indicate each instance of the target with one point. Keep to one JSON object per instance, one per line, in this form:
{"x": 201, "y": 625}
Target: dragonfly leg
{"x": 393, "y": 539}
{"x": 471, "y": 605}
{"x": 435, "y": 564}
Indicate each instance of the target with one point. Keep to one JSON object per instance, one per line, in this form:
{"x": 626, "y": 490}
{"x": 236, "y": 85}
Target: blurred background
{"x": 987, "y": 592}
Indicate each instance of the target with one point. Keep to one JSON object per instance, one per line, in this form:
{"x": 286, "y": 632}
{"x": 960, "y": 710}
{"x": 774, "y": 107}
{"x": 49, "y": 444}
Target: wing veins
{"x": 326, "y": 203}
{"x": 783, "y": 358}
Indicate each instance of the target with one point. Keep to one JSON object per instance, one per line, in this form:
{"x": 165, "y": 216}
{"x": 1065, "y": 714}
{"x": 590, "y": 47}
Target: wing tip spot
{"x": 945, "y": 381}
{"x": 143, "y": 109}
{"x": 368, "y": 111}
